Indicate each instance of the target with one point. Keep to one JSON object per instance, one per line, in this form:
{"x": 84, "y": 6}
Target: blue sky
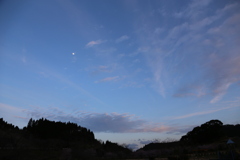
{"x": 131, "y": 71}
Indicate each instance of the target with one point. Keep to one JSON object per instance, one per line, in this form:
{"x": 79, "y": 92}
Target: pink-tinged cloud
{"x": 5, "y": 108}
{"x": 219, "y": 66}
{"x": 92, "y": 43}
{"x": 203, "y": 113}
{"x": 108, "y": 79}
{"x": 224, "y": 72}
{"x": 102, "y": 122}
{"x": 153, "y": 128}
{"x": 13, "y": 114}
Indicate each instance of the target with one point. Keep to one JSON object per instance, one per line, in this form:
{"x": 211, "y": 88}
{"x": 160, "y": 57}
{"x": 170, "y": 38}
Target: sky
{"x": 132, "y": 71}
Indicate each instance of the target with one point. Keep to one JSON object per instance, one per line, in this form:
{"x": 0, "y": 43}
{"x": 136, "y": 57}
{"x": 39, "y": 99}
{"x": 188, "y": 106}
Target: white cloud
{"x": 204, "y": 22}
{"x": 217, "y": 98}
{"x": 196, "y": 8}
{"x": 93, "y": 43}
{"x": 123, "y": 38}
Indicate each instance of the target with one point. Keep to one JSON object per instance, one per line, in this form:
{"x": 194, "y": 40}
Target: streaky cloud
{"x": 108, "y": 79}
{"x": 219, "y": 64}
{"x": 190, "y": 91}
{"x": 203, "y": 112}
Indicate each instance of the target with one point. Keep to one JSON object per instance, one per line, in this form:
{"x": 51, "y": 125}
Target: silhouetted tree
{"x": 47, "y": 129}
{"x": 206, "y": 133}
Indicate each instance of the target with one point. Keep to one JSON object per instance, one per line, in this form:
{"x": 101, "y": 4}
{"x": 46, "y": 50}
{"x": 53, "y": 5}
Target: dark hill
{"x": 210, "y": 137}
{"x": 45, "y": 139}
{"x": 45, "y": 129}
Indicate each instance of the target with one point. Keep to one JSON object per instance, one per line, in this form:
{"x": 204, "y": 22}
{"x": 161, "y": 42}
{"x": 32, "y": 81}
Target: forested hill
{"x": 44, "y": 133}
{"x": 210, "y": 132}
{"x": 46, "y": 129}
{"x": 45, "y": 139}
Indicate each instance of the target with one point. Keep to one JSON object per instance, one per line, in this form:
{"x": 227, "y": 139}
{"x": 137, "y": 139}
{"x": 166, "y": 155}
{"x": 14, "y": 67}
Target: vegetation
{"x": 206, "y": 133}
{"x": 45, "y": 139}
{"x": 208, "y": 140}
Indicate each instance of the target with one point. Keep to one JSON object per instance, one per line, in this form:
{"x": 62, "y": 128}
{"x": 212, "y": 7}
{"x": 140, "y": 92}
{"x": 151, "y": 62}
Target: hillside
{"x": 45, "y": 139}
{"x": 210, "y": 137}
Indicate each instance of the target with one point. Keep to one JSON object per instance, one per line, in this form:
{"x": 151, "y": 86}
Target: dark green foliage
{"x": 9, "y": 135}
{"x": 231, "y": 130}
{"x": 180, "y": 157}
{"x": 208, "y": 137}
{"x": 206, "y": 133}
{"x": 114, "y": 147}
{"x": 45, "y": 139}
{"x": 46, "y": 129}
{"x": 160, "y": 146}
{"x": 6, "y": 126}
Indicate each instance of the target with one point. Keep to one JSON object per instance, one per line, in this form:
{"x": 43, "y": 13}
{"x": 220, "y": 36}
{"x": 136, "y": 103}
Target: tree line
{"x": 45, "y": 139}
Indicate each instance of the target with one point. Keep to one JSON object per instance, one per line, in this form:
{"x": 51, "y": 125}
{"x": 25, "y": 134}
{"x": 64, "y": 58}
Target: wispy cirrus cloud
{"x": 224, "y": 72}
{"x": 191, "y": 90}
{"x": 220, "y": 68}
{"x": 122, "y": 38}
{"x": 223, "y": 67}
{"x": 171, "y": 55}
{"x": 204, "y": 112}
{"x": 93, "y": 43}
{"x": 49, "y": 73}
{"x": 132, "y": 84}
{"x": 154, "y": 59}
{"x": 104, "y": 68}
{"x": 108, "y": 79}
{"x": 9, "y": 108}
{"x": 195, "y": 8}
{"x": 13, "y": 114}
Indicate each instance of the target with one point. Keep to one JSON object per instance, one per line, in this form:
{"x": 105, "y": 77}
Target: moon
{"x": 73, "y": 53}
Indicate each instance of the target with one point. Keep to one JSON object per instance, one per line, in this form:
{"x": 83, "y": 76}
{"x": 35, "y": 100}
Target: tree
{"x": 206, "y": 133}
